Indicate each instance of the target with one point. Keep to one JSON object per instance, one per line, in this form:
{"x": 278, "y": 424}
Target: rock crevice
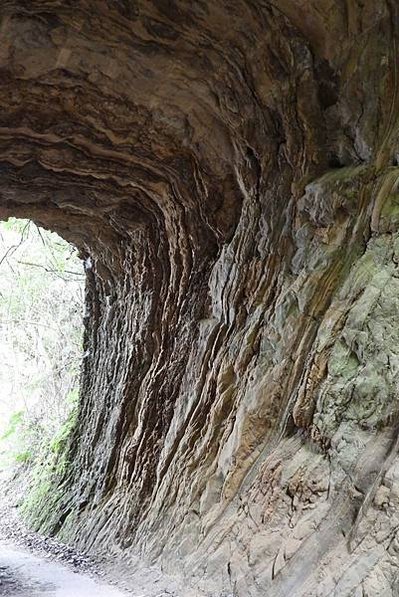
{"x": 228, "y": 171}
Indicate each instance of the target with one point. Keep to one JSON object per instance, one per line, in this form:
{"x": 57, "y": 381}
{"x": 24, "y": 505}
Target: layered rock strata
{"x": 229, "y": 172}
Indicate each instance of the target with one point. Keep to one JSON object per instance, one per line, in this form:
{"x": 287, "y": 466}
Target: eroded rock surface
{"x": 229, "y": 170}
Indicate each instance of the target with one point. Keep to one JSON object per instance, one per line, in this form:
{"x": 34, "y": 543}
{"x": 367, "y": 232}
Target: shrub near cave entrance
{"x": 41, "y": 303}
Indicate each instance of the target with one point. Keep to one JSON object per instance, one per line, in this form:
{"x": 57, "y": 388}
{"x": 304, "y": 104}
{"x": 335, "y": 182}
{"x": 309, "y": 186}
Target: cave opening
{"x": 41, "y": 323}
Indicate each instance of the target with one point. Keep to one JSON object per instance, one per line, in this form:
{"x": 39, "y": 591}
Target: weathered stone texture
{"x": 229, "y": 170}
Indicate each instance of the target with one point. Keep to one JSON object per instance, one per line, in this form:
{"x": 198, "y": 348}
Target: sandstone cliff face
{"x": 229, "y": 170}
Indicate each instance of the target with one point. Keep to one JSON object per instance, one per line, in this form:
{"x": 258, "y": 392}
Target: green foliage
{"x": 45, "y": 476}
{"x": 41, "y": 304}
{"x": 13, "y": 424}
{"x": 37, "y": 504}
{"x": 60, "y": 439}
{"x": 24, "y": 457}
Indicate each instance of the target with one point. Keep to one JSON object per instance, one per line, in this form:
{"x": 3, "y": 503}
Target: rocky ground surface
{"x": 23, "y": 574}
{"x": 64, "y": 571}
{"x": 13, "y": 530}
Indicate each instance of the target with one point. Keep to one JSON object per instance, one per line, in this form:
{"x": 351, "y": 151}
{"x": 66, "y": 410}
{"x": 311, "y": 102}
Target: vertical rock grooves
{"x": 229, "y": 172}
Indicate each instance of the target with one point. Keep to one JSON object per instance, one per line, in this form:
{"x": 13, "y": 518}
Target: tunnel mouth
{"x": 41, "y": 325}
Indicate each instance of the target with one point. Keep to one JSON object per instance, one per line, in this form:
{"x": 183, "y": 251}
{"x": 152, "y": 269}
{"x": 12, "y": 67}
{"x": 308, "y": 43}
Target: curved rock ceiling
{"x": 228, "y": 169}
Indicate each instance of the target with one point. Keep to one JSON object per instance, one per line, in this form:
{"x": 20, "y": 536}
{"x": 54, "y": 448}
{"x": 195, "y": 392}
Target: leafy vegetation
{"x": 41, "y": 303}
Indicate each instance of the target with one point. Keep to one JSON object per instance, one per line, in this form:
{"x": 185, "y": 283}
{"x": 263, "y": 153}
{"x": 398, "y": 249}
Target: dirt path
{"x": 23, "y": 574}
{"x": 32, "y": 565}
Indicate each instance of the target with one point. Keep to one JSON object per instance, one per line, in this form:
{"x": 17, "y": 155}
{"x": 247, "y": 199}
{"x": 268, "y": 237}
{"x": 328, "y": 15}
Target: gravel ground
{"x": 25, "y": 575}
{"x": 13, "y": 530}
{"x": 131, "y": 577}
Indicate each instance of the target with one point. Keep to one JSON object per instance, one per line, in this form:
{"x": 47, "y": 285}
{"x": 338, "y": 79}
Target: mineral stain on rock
{"x": 229, "y": 173}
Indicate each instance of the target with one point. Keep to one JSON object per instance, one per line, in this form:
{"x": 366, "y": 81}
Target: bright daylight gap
{"x": 41, "y": 306}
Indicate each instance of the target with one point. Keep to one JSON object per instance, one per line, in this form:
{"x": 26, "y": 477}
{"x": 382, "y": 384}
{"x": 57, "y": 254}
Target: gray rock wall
{"x": 229, "y": 172}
